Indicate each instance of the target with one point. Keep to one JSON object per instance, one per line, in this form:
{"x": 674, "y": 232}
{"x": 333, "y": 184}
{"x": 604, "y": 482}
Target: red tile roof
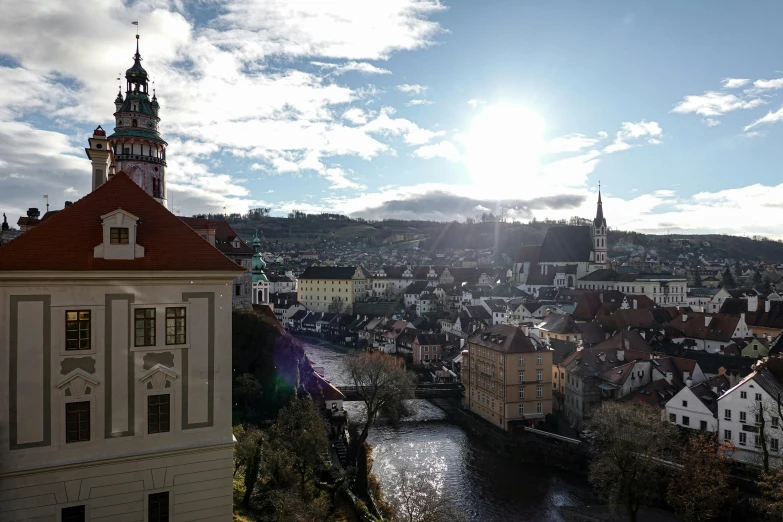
{"x": 66, "y": 240}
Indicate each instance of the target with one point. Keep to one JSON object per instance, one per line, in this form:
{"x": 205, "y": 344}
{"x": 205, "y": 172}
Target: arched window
{"x": 134, "y": 122}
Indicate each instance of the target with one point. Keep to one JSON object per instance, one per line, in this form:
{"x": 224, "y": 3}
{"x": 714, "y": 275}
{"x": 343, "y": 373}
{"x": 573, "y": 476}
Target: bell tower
{"x": 599, "y": 234}
{"x": 136, "y": 146}
{"x": 260, "y": 284}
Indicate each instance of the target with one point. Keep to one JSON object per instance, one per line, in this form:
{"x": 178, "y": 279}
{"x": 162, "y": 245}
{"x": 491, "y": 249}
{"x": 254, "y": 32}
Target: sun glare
{"x": 505, "y": 141}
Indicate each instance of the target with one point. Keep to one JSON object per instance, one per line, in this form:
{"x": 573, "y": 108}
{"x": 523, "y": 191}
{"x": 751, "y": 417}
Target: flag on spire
{"x": 135, "y": 23}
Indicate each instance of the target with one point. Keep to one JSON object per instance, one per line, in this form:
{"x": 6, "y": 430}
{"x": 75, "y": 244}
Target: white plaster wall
{"x": 77, "y": 295}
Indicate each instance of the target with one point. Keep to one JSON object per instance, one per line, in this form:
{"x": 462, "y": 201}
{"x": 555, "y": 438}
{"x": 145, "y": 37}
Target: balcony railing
{"x": 139, "y": 157}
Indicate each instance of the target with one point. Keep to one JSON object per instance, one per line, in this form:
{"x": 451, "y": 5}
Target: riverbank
{"x": 322, "y": 342}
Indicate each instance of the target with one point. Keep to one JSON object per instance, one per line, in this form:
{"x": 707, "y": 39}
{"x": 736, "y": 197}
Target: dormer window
{"x": 118, "y": 236}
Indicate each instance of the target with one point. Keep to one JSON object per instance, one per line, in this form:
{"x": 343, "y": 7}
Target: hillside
{"x": 300, "y": 231}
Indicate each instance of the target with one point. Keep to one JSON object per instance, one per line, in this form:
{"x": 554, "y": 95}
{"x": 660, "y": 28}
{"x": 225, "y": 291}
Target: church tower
{"x": 260, "y": 283}
{"x": 599, "y": 234}
{"x": 136, "y": 146}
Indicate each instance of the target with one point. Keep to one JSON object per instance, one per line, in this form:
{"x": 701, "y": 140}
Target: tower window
{"x": 135, "y": 122}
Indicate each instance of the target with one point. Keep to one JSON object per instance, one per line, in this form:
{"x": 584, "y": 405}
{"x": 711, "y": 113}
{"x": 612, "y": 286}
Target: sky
{"x": 425, "y": 109}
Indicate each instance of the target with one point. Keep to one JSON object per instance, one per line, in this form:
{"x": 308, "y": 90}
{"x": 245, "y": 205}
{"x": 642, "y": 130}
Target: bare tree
{"x": 701, "y": 489}
{"x": 767, "y": 416}
{"x": 631, "y": 446}
{"x": 382, "y": 383}
{"x": 419, "y": 499}
{"x": 336, "y": 307}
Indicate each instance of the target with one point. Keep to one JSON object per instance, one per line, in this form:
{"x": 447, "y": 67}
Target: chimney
{"x": 621, "y": 355}
{"x": 68, "y": 204}
{"x": 33, "y": 212}
{"x": 634, "y": 304}
{"x": 602, "y": 356}
{"x": 686, "y": 376}
{"x": 627, "y": 344}
{"x": 707, "y": 320}
{"x": 669, "y": 377}
{"x": 601, "y": 297}
{"x": 684, "y": 317}
{"x": 753, "y": 303}
{"x": 766, "y": 305}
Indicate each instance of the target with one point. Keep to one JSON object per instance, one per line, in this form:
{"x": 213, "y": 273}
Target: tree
{"x": 247, "y": 454}
{"x": 771, "y": 502}
{"x": 697, "y": 278}
{"x": 727, "y": 279}
{"x": 247, "y": 394}
{"x": 301, "y": 431}
{"x": 758, "y": 281}
{"x": 701, "y": 490}
{"x": 630, "y": 444}
{"x": 420, "y": 500}
{"x": 382, "y": 383}
{"x": 335, "y": 307}
{"x": 765, "y": 412}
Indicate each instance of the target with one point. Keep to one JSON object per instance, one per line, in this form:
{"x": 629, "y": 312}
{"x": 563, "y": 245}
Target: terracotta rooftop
{"x": 66, "y": 241}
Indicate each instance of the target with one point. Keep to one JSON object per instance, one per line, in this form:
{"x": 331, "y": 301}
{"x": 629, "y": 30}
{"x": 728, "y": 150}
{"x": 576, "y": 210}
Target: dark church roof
{"x": 570, "y": 244}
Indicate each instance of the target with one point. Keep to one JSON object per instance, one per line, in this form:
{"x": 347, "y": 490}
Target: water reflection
{"x": 485, "y": 485}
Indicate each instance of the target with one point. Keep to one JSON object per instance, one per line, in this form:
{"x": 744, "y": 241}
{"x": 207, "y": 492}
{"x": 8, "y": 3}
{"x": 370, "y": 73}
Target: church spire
{"x": 599, "y": 215}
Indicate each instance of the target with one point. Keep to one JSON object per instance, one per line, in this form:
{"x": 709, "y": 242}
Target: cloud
{"x": 572, "y": 143}
{"x": 412, "y": 103}
{"x": 411, "y": 89}
{"x": 444, "y": 206}
{"x": 734, "y": 83}
{"x": 339, "y": 179}
{"x": 712, "y": 103}
{"x": 764, "y": 85}
{"x": 412, "y": 134}
{"x": 355, "y": 115}
{"x": 352, "y": 29}
{"x": 634, "y": 131}
{"x": 444, "y": 149}
{"x": 475, "y": 102}
{"x": 711, "y": 122}
{"x": 361, "y": 67}
{"x": 770, "y": 117}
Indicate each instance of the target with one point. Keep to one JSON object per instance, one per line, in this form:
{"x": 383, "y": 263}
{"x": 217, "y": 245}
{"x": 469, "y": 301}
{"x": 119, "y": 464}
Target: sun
{"x": 505, "y": 143}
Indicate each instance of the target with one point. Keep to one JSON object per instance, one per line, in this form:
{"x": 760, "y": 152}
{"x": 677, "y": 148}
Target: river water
{"x": 486, "y": 486}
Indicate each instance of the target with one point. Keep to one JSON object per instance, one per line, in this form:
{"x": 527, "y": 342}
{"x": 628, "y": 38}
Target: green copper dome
{"x": 136, "y": 74}
{"x": 118, "y": 99}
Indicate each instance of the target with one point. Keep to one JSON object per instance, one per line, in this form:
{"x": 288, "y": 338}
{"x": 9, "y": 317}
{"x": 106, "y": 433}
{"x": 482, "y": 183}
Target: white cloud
{"x": 443, "y": 149}
{"x": 734, "y": 83}
{"x": 411, "y": 133}
{"x": 572, "y": 143}
{"x": 777, "y": 83}
{"x": 712, "y": 103}
{"x": 361, "y": 67}
{"x": 474, "y": 102}
{"x": 339, "y": 180}
{"x": 711, "y": 122}
{"x": 770, "y": 117}
{"x": 352, "y": 29}
{"x": 412, "y": 89}
{"x": 633, "y": 131}
{"x": 412, "y": 103}
{"x": 355, "y": 115}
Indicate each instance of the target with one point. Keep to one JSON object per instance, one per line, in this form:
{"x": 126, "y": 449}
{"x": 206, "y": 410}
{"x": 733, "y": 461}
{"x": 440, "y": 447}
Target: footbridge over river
{"x": 422, "y": 391}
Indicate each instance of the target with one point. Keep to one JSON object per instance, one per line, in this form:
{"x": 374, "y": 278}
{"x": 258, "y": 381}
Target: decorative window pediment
{"x": 78, "y": 383}
{"x": 159, "y": 377}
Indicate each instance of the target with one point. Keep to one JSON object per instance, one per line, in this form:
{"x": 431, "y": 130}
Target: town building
{"x": 567, "y": 254}
{"x": 696, "y": 406}
{"x": 508, "y": 378}
{"x": 115, "y": 396}
{"x": 707, "y": 331}
{"x": 332, "y": 288}
{"x": 662, "y": 289}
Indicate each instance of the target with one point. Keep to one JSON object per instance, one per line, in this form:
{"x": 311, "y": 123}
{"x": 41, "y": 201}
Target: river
{"x": 486, "y": 486}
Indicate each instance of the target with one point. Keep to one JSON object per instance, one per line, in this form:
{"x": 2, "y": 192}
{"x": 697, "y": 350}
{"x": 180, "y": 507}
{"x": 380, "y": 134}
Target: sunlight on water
{"x": 486, "y": 486}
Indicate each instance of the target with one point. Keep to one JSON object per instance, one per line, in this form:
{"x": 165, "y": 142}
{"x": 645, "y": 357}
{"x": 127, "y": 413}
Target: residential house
{"x": 498, "y": 308}
{"x": 745, "y": 407}
{"x": 428, "y": 347}
{"x": 696, "y": 406}
{"x": 508, "y": 379}
{"x": 706, "y": 331}
{"x": 285, "y": 306}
